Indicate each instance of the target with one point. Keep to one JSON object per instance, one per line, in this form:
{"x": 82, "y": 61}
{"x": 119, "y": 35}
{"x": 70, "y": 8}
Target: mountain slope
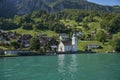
{"x": 9, "y": 8}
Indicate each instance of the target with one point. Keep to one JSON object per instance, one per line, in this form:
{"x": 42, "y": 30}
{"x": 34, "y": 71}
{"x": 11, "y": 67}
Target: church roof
{"x": 68, "y": 43}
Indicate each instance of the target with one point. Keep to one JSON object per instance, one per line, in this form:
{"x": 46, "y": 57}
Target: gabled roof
{"x": 67, "y": 43}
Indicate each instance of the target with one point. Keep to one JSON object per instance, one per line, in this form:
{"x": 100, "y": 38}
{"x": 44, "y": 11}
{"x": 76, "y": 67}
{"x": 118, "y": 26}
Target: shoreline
{"x": 50, "y": 54}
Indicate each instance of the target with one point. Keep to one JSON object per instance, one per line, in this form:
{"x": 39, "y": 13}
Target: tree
{"x": 85, "y": 25}
{"x": 101, "y": 36}
{"x": 34, "y": 44}
{"x": 116, "y": 42}
{"x": 14, "y": 44}
{"x": 104, "y": 24}
{"x": 7, "y": 24}
{"x": 27, "y": 26}
{"x": 115, "y": 25}
{"x": 88, "y": 19}
{"x": 17, "y": 20}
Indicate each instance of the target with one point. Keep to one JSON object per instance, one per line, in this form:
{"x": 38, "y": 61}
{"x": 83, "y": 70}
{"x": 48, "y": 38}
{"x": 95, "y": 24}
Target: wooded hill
{"x": 64, "y": 21}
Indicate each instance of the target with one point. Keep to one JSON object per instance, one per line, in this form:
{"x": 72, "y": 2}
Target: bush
{"x": 27, "y": 26}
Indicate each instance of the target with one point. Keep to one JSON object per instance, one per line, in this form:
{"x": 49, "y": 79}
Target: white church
{"x": 66, "y": 45}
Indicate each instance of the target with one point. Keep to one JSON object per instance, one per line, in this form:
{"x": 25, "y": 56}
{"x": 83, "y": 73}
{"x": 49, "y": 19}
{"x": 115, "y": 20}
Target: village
{"x": 17, "y": 43}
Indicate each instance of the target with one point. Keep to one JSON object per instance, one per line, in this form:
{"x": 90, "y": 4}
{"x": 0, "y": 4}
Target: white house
{"x": 66, "y": 45}
{"x": 93, "y": 46}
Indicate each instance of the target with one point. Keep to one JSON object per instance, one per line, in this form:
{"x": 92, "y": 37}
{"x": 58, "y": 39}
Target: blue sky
{"x": 106, "y": 2}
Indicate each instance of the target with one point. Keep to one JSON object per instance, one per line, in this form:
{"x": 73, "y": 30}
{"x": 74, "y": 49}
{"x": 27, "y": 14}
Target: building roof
{"x": 67, "y": 43}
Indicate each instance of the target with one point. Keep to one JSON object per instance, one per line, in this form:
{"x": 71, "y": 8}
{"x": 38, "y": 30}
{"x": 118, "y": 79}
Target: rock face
{"x": 9, "y": 8}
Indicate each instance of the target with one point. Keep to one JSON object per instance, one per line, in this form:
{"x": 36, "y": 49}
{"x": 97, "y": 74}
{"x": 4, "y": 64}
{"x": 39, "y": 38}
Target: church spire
{"x": 74, "y": 42}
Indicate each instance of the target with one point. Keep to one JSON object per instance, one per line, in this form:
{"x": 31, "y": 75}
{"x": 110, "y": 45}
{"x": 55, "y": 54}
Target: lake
{"x": 61, "y": 67}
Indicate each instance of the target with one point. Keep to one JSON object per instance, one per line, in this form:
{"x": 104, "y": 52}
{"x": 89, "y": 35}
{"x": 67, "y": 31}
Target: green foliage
{"x": 27, "y": 26}
{"x": 14, "y": 44}
{"x": 7, "y": 24}
{"x": 85, "y": 25}
{"x": 64, "y": 21}
{"x": 101, "y": 36}
{"x": 17, "y": 20}
{"x": 41, "y": 26}
{"x": 116, "y": 42}
{"x": 34, "y": 44}
{"x": 115, "y": 25}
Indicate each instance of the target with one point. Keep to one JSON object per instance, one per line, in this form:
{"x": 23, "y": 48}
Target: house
{"x": 67, "y": 45}
{"x": 49, "y": 42}
{"x": 53, "y": 44}
{"x": 6, "y": 42}
{"x": 1, "y": 31}
{"x": 11, "y": 52}
{"x": 25, "y": 40}
{"x": 26, "y": 44}
{"x": 79, "y": 33}
{"x": 15, "y": 52}
{"x": 93, "y": 46}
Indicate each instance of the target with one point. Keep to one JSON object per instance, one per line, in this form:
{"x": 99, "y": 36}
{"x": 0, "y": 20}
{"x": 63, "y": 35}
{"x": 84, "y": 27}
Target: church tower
{"x": 74, "y": 42}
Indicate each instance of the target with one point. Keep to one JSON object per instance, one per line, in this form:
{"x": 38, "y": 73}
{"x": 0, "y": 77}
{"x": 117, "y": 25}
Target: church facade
{"x": 66, "y": 45}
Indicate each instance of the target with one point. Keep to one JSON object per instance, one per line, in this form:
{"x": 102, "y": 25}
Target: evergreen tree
{"x": 34, "y": 44}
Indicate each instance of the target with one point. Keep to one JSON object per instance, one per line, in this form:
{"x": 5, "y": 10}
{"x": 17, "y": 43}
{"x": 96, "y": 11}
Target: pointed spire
{"x": 74, "y": 34}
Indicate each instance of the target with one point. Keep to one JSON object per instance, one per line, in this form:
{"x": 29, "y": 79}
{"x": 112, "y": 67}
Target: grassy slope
{"x": 92, "y": 26}
{"x": 33, "y": 32}
{"x": 106, "y": 47}
{"x": 72, "y": 24}
{"x": 4, "y": 48}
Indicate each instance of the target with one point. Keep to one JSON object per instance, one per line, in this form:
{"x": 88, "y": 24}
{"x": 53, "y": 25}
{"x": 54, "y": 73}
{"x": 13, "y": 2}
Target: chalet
{"x": 53, "y": 44}
{"x": 25, "y": 37}
{"x": 26, "y": 44}
{"x": 25, "y": 40}
{"x": 93, "y": 46}
{"x": 49, "y": 42}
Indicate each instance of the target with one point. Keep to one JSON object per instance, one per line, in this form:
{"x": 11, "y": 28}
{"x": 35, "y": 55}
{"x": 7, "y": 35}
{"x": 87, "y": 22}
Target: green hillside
{"x": 33, "y": 32}
{"x": 96, "y": 27}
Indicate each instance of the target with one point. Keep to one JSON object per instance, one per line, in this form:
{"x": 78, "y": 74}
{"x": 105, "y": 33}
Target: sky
{"x": 106, "y": 2}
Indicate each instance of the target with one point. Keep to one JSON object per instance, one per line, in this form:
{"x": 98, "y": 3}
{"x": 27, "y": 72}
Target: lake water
{"x": 61, "y": 67}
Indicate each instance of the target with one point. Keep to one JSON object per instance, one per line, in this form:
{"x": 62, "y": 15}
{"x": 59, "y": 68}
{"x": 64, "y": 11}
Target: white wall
{"x": 61, "y": 46}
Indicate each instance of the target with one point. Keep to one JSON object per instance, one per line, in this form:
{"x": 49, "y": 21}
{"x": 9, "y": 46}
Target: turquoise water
{"x": 61, "y": 67}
